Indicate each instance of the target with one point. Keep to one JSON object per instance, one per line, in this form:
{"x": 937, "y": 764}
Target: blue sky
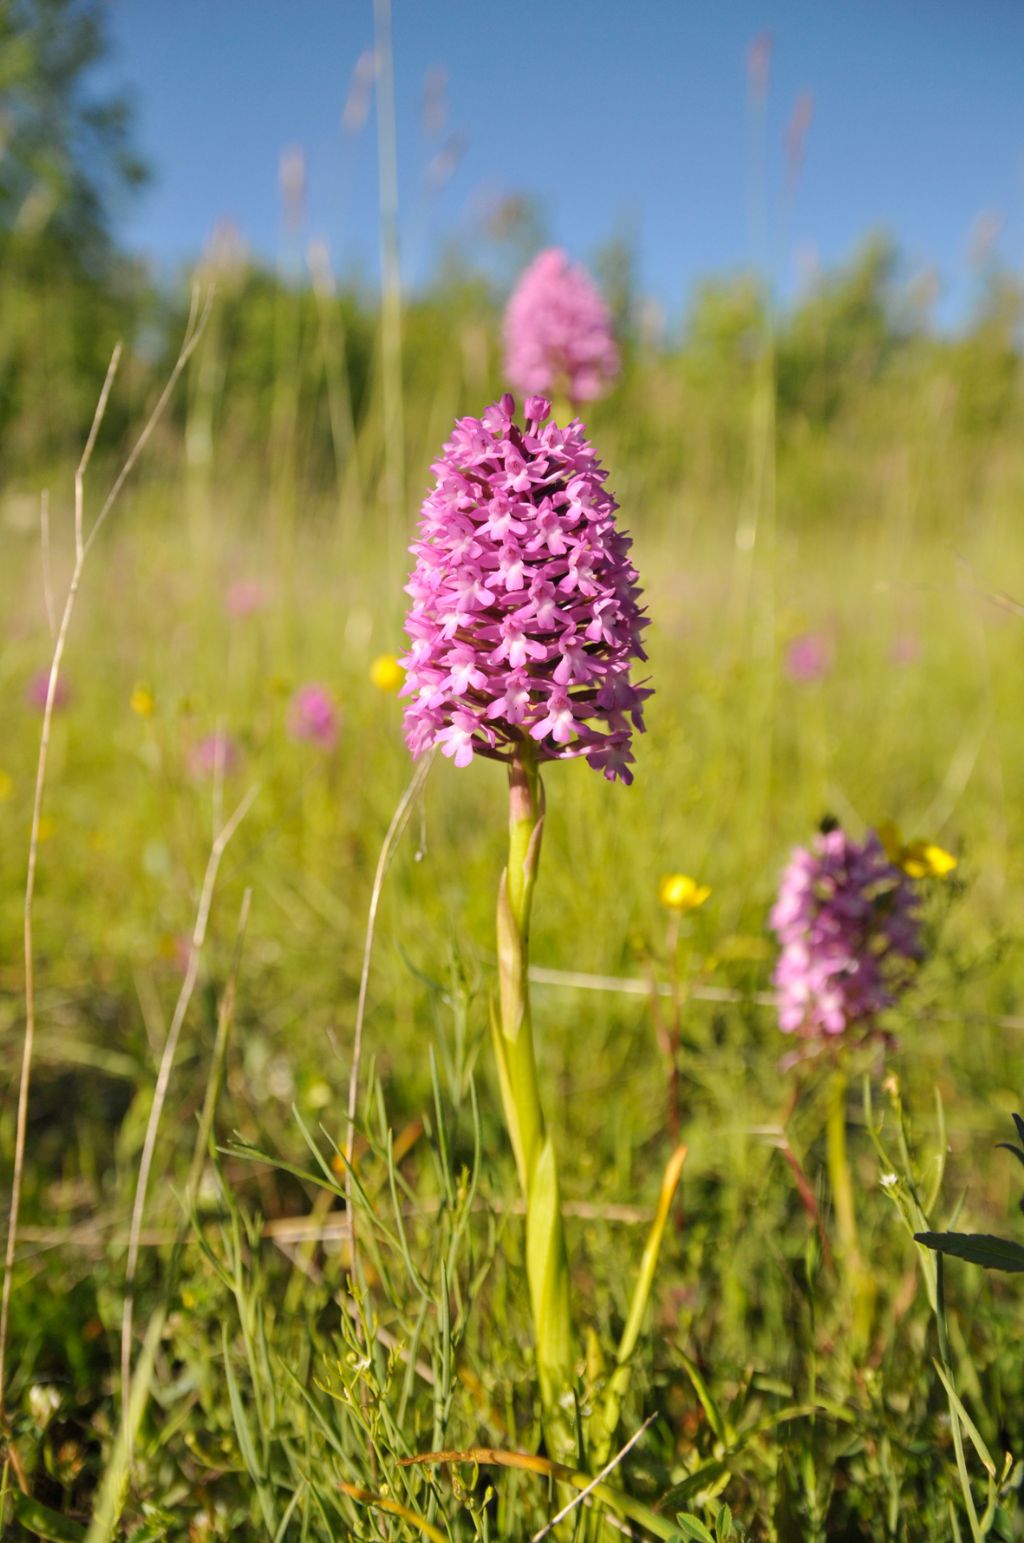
{"x": 616, "y": 117}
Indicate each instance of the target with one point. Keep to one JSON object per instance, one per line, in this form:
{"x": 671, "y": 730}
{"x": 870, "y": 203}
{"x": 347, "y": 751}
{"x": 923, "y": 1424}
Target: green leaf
{"x": 977, "y": 1248}
{"x": 606, "y": 1418}
{"x": 44, "y": 1523}
{"x": 973, "y": 1433}
{"x": 692, "y": 1528}
{"x": 548, "y": 1276}
{"x": 243, "y": 1431}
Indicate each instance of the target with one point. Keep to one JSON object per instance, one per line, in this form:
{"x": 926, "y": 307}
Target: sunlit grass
{"x": 265, "y": 1399}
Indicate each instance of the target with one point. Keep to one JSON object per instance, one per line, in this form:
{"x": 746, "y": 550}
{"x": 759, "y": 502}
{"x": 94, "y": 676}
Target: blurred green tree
{"x": 66, "y": 151}
{"x": 616, "y": 265}
{"x": 986, "y": 360}
{"x": 843, "y": 335}
{"x": 66, "y": 156}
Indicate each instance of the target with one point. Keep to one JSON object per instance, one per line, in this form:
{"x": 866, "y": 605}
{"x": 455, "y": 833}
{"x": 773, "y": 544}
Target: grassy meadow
{"x": 835, "y": 479}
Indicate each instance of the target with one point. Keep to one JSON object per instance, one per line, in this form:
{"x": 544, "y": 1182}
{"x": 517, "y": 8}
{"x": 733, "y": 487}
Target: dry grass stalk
{"x": 198, "y": 315}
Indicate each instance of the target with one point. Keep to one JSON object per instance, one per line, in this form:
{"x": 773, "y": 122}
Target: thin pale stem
{"x": 336, "y": 374}
{"x": 195, "y": 326}
{"x": 202, "y": 918}
{"x": 90, "y": 445}
{"x": 112, "y": 1488}
{"x": 391, "y": 283}
{"x": 954, "y": 1415}
{"x": 82, "y": 548}
{"x": 44, "y": 543}
{"x": 546, "y": 1467}
{"x": 595, "y": 1482}
{"x": 28, "y": 1047}
{"x": 399, "y": 820}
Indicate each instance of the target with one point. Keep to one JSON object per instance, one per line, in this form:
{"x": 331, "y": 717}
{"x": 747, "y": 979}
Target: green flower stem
{"x": 859, "y": 1280}
{"x": 547, "y": 1262}
{"x": 839, "y": 1168}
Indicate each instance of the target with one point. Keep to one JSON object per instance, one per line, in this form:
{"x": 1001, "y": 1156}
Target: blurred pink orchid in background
{"x": 847, "y": 919}
{"x": 808, "y": 658}
{"x": 558, "y": 331}
{"x": 35, "y": 692}
{"x": 244, "y": 596}
{"x": 906, "y": 649}
{"x": 313, "y": 717}
{"x": 215, "y": 753}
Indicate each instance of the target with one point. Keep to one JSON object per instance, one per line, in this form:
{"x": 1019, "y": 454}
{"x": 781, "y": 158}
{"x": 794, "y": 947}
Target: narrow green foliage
{"x": 41, "y": 1522}
{"x": 977, "y": 1247}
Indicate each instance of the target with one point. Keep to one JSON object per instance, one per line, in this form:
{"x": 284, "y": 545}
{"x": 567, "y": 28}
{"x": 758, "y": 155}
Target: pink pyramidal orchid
{"x": 525, "y": 618}
{"x": 847, "y": 920}
{"x": 524, "y": 627}
{"x": 558, "y": 332}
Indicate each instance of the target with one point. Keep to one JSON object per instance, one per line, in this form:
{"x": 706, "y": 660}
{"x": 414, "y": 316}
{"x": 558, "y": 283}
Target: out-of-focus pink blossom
{"x": 313, "y": 717}
{"x": 847, "y": 920}
{"x": 244, "y": 596}
{"x": 906, "y": 649}
{"x": 215, "y": 753}
{"x": 176, "y": 949}
{"x": 39, "y": 685}
{"x": 809, "y": 658}
{"x": 558, "y": 332}
{"x": 525, "y": 619}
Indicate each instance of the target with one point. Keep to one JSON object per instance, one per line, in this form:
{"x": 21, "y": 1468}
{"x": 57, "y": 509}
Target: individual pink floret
{"x": 558, "y": 331}
{"x": 525, "y": 618}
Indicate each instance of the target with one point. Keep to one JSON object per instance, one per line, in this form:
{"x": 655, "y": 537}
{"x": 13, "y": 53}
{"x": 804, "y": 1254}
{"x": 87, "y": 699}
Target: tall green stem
{"x": 839, "y": 1169}
{"x": 547, "y": 1262}
{"x": 859, "y": 1281}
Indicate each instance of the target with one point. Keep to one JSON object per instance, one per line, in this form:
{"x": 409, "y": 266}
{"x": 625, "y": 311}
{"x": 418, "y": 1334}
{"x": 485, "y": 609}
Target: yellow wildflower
{"x": 919, "y": 859}
{"x": 386, "y": 673}
{"x": 678, "y": 892}
{"x": 926, "y": 860}
{"x": 142, "y": 700}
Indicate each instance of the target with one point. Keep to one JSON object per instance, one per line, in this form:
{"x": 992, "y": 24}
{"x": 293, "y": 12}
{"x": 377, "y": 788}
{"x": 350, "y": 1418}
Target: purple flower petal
{"x": 525, "y": 617}
{"x": 847, "y": 921}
